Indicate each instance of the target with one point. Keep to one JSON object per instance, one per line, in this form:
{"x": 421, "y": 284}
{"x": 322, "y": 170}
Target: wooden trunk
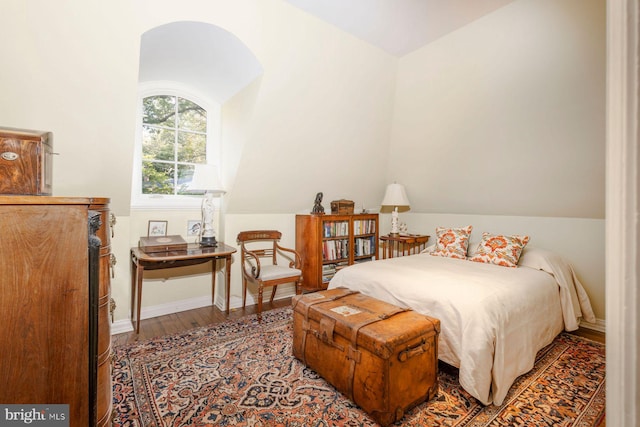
{"x": 382, "y": 357}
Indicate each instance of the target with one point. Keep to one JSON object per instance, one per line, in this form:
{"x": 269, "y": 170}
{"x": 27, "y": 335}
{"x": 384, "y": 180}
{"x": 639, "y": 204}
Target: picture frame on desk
{"x": 157, "y": 228}
{"x": 194, "y": 226}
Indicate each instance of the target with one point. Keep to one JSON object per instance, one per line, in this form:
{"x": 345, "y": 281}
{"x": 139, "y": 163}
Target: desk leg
{"x": 227, "y": 272}
{"x": 213, "y": 281}
{"x": 133, "y": 288}
{"x": 139, "y": 276}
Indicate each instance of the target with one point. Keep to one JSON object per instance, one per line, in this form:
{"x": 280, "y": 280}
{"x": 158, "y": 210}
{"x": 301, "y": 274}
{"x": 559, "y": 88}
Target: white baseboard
{"x": 121, "y": 326}
{"x": 599, "y": 326}
{"x": 125, "y": 325}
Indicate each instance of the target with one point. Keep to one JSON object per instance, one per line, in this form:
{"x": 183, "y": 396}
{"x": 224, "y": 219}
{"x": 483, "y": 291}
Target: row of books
{"x": 329, "y": 270}
{"x": 335, "y": 228}
{"x": 364, "y": 226}
{"x": 335, "y": 249}
{"x": 365, "y": 246}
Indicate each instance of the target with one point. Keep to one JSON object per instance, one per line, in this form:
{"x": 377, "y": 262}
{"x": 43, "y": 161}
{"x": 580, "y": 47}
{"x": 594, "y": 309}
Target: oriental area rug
{"x": 242, "y": 373}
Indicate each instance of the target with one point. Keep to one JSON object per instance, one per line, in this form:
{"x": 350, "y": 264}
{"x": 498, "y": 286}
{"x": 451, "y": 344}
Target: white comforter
{"x": 493, "y": 319}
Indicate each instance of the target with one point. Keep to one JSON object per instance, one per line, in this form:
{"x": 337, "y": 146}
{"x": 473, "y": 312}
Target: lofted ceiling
{"x": 216, "y": 63}
{"x": 399, "y": 26}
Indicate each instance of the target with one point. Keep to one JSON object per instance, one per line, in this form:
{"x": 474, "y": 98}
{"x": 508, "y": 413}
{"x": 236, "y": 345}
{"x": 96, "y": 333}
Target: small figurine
{"x": 317, "y": 206}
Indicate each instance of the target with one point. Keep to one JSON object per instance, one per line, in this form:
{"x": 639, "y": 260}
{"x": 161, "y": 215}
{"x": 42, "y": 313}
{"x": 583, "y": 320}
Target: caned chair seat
{"x": 265, "y": 263}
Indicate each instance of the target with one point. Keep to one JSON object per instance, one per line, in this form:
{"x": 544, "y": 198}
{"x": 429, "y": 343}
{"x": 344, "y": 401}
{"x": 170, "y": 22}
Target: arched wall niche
{"x": 206, "y": 57}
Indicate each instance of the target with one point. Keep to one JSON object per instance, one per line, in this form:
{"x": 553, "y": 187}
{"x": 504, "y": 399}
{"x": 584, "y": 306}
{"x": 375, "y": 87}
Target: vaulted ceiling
{"x": 216, "y": 63}
{"x": 399, "y": 26}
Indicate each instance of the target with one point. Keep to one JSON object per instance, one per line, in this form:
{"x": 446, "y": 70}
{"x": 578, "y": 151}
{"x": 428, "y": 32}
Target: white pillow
{"x": 428, "y": 249}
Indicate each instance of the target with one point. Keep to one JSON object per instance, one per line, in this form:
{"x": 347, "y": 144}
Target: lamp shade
{"x": 206, "y": 179}
{"x": 395, "y": 197}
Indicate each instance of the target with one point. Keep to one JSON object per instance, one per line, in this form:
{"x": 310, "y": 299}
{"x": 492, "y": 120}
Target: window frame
{"x": 213, "y": 152}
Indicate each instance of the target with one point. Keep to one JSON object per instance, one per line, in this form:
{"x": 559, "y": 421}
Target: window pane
{"x": 157, "y": 178}
{"x": 191, "y": 116}
{"x": 192, "y": 147}
{"x": 159, "y": 110}
{"x": 173, "y": 140}
{"x": 185, "y": 175}
{"x": 158, "y": 144}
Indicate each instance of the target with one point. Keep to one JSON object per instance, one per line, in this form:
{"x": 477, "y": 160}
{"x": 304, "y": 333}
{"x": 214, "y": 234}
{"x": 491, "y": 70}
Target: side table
{"x": 401, "y": 245}
{"x": 194, "y": 254}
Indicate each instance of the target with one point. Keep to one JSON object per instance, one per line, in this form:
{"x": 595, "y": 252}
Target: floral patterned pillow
{"x": 500, "y": 250}
{"x": 452, "y": 242}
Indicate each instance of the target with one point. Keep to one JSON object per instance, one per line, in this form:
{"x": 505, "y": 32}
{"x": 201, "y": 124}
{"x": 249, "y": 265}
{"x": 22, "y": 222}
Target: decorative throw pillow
{"x": 500, "y": 250}
{"x": 452, "y": 242}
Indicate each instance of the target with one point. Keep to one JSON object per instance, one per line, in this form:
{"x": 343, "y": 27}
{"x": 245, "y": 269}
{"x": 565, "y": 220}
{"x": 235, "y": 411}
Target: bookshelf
{"x": 327, "y": 243}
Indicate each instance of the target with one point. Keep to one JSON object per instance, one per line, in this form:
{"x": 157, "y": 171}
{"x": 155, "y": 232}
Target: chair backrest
{"x": 247, "y": 238}
{"x": 258, "y": 235}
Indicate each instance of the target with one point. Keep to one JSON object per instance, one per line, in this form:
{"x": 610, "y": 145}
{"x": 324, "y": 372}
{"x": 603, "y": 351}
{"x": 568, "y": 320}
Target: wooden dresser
{"x": 54, "y": 305}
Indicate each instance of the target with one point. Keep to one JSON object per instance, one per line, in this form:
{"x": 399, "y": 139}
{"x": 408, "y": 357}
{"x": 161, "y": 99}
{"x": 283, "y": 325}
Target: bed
{"x": 494, "y": 319}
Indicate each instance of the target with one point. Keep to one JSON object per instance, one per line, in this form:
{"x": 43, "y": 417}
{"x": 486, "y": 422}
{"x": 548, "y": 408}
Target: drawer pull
{"x": 113, "y": 261}
{"x": 112, "y": 222}
{"x": 10, "y": 155}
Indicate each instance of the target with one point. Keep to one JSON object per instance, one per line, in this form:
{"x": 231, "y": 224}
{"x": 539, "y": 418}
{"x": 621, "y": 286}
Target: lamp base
{"x": 209, "y": 242}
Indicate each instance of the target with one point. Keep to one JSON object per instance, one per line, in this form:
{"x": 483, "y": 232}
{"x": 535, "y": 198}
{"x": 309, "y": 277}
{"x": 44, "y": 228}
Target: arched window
{"x": 176, "y": 131}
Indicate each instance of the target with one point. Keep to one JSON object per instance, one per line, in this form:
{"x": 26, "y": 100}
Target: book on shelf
{"x": 329, "y": 270}
{"x": 335, "y": 249}
{"x": 364, "y": 246}
{"x": 335, "y": 228}
{"x": 364, "y": 226}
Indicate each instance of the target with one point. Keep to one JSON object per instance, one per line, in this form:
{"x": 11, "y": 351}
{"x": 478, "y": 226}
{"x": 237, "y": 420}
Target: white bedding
{"x": 493, "y": 319}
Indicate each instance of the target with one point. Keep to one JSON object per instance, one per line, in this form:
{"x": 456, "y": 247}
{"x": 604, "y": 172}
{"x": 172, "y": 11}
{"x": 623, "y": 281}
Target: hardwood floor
{"x": 591, "y": 334}
{"x": 185, "y": 320}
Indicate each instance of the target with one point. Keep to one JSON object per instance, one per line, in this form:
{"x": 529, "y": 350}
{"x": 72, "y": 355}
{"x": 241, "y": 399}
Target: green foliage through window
{"x": 174, "y": 140}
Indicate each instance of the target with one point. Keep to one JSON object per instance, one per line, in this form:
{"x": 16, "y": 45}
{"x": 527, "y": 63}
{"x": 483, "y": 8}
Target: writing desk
{"x": 193, "y": 255}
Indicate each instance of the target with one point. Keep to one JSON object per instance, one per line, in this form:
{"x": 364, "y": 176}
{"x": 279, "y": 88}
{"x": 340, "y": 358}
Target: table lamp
{"x": 395, "y": 200}
{"x": 206, "y": 180}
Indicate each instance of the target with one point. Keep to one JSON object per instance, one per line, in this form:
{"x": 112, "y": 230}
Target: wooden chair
{"x": 260, "y": 254}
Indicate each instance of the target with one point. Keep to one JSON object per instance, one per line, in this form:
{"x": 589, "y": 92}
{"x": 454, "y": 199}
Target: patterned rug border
{"x": 591, "y": 414}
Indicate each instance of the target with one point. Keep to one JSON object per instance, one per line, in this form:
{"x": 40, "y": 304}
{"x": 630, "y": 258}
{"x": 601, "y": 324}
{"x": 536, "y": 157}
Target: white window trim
{"x": 141, "y": 201}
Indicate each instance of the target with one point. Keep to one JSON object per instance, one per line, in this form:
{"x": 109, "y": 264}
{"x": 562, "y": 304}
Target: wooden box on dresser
{"x": 54, "y": 305}
{"x": 25, "y": 161}
{"x": 327, "y": 243}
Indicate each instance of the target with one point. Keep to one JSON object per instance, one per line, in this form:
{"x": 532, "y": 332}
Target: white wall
{"x": 506, "y": 116}
{"x": 330, "y": 113}
{"x": 319, "y": 117}
{"x": 71, "y": 68}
